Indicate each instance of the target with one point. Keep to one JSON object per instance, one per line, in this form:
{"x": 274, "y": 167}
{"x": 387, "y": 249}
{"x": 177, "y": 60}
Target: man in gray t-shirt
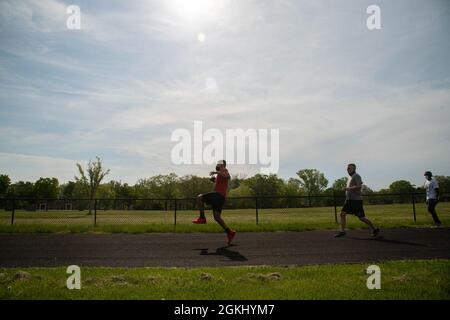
{"x": 353, "y": 202}
{"x": 353, "y": 193}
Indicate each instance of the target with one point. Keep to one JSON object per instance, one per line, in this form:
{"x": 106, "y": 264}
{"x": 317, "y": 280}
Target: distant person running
{"x": 353, "y": 202}
{"x": 432, "y": 189}
{"x": 216, "y": 198}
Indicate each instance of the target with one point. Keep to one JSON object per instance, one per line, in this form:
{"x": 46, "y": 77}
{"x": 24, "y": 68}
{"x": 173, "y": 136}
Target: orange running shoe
{"x": 230, "y": 236}
{"x": 199, "y": 220}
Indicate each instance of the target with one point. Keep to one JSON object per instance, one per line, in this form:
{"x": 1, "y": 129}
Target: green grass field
{"x": 288, "y": 219}
{"x": 419, "y": 279}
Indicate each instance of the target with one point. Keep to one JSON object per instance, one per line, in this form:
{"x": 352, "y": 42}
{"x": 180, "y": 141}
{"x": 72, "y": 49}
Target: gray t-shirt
{"x": 354, "y": 180}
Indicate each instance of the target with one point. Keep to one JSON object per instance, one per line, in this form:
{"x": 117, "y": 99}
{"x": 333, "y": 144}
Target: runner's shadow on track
{"x": 382, "y": 239}
{"x": 225, "y": 252}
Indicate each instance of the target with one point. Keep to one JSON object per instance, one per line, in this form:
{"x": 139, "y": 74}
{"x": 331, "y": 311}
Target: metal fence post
{"x": 414, "y": 205}
{"x": 309, "y": 199}
{"x": 13, "y": 209}
{"x": 175, "y": 214}
{"x": 95, "y": 212}
{"x": 257, "y": 211}
{"x": 335, "y": 206}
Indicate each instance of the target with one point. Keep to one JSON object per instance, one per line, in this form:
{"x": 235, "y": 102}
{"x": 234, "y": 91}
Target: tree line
{"x": 89, "y": 185}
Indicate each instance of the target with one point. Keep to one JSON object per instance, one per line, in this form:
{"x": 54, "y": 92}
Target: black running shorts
{"x": 215, "y": 200}
{"x": 354, "y": 207}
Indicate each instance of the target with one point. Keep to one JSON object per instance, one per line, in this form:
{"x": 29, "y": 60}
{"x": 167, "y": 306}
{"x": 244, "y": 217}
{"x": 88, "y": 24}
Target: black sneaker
{"x": 340, "y": 234}
{"x": 375, "y": 233}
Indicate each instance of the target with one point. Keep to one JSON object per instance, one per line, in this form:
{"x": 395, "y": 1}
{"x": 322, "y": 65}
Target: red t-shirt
{"x": 221, "y": 185}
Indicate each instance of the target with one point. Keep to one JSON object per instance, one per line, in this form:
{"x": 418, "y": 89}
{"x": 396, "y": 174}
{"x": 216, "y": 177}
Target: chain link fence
{"x": 256, "y": 210}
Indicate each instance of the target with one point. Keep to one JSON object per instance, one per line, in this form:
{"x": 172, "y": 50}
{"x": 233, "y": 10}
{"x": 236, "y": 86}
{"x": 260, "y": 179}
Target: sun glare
{"x": 193, "y": 10}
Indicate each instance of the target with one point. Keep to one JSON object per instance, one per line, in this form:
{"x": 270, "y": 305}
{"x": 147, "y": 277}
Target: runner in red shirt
{"x": 216, "y": 199}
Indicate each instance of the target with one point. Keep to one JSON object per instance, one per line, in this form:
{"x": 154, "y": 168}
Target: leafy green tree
{"x": 241, "y": 191}
{"x": 106, "y": 191}
{"x": 234, "y": 195}
{"x": 106, "y": 196}
{"x": 338, "y": 187}
{"x": 46, "y": 188}
{"x": 80, "y": 192}
{"x": 160, "y": 187}
{"x": 23, "y": 189}
{"x": 122, "y": 195}
{"x": 5, "y": 182}
{"x": 124, "y": 190}
{"x": 91, "y": 181}
{"x": 444, "y": 183}
{"x": 265, "y": 185}
{"x": 340, "y": 184}
{"x": 166, "y": 185}
{"x": 312, "y": 181}
{"x": 67, "y": 190}
{"x": 292, "y": 188}
{"x": 190, "y": 186}
{"x": 401, "y": 186}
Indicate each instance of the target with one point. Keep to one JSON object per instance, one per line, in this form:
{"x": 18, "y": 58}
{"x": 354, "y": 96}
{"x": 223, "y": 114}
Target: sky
{"x": 138, "y": 70}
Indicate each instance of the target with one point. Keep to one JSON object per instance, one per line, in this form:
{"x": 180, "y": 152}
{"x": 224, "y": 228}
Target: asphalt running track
{"x": 209, "y": 249}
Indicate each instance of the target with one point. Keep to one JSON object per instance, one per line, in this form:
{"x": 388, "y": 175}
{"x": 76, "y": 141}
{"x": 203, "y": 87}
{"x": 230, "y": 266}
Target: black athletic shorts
{"x": 214, "y": 199}
{"x": 354, "y": 207}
